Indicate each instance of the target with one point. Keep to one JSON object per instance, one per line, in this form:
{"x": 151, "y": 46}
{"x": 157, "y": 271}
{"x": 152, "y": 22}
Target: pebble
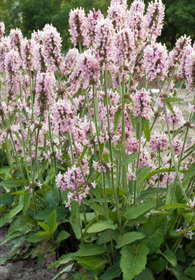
{"x": 5, "y": 272}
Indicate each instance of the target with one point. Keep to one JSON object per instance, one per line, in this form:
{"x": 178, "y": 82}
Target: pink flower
{"x": 45, "y": 86}
{"x": 159, "y": 142}
{"x": 16, "y": 39}
{"x": 142, "y": 104}
{"x": 78, "y": 30}
{"x": 2, "y": 30}
{"x": 176, "y": 118}
{"x": 118, "y": 16}
{"x": 104, "y": 42}
{"x": 125, "y": 54}
{"x": 190, "y": 69}
{"x": 155, "y": 61}
{"x": 177, "y": 146}
{"x": 69, "y": 62}
{"x": 93, "y": 18}
{"x": 154, "y": 19}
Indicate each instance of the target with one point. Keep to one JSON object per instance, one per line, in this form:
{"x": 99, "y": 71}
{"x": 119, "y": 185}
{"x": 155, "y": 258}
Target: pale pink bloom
{"x": 154, "y": 19}
{"x": 2, "y": 30}
{"x": 190, "y": 70}
{"x": 85, "y": 73}
{"x": 120, "y": 2}
{"x": 93, "y": 18}
{"x": 16, "y": 39}
{"x": 125, "y": 49}
{"x": 28, "y": 49}
{"x": 155, "y": 61}
{"x": 45, "y": 86}
{"x": 69, "y": 62}
{"x": 118, "y": 16}
{"x": 101, "y": 166}
{"x": 137, "y": 23}
{"x": 145, "y": 158}
{"x": 13, "y": 74}
{"x": 78, "y": 30}
{"x": 177, "y": 146}
{"x": 159, "y": 142}
{"x": 104, "y": 42}
{"x": 4, "y": 49}
{"x": 51, "y": 47}
{"x": 176, "y": 118}
{"x": 142, "y": 104}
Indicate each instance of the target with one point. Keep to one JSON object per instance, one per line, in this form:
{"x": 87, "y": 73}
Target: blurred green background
{"x": 29, "y": 15}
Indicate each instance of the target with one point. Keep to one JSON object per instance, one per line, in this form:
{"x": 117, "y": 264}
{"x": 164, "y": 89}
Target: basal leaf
{"x": 169, "y": 256}
{"x": 174, "y": 206}
{"x": 93, "y": 250}
{"x": 142, "y": 174}
{"x": 190, "y": 271}
{"x": 52, "y": 220}
{"x": 101, "y": 226}
{"x": 62, "y": 236}
{"x": 64, "y": 270}
{"x": 133, "y": 260}
{"x": 111, "y": 272}
{"x": 15, "y": 211}
{"x": 128, "y": 238}
{"x": 155, "y": 230}
{"x": 140, "y": 209}
{"x": 94, "y": 263}
{"x": 130, "y": 159}
{"x": 146, "y": 274}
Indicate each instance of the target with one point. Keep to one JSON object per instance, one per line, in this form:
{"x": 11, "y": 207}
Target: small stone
{"x": 5, "y": 272}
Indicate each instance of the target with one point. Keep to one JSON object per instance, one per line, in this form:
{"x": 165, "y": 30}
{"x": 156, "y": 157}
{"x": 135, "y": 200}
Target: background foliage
{"x": 29, "y": 15}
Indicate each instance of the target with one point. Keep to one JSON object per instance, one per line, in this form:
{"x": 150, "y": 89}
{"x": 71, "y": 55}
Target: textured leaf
{"x": 147, "y": 130}
{"x": 94, "y": 263}
{"x": 190, "y": 271}
{"x": 6, "y": 199}
{"x": 178, "y": 273}
{"x": 174, "y": 206}
{"x": 62, "y": 235}
{"x": 189, "y": 174}
{"x": 111, "y": 272}
{"x": 140, "y": 209}
{"x": 52, "y": 220}
{"x": 146, "y": 274}
{"x": 101, "y": 226}
{"x": 90, "y": 251}
{"x": 142, "y": 174}
{"x": 155, "y": 230}
{"x": 174, "y": 99}
{"x": 74, "y": 220}
{"x": 169, "y": 256}
{"x": 130, "y": 159}
{"x": 27, "y": 197}
{"x": 128, "y": 238}
{"x": 117, "y": 119}
{"x": 44, "y": 226}
{"x": 15, "y": 211}
{"x": 133, "y": 260}
{"x": 64, "y": 270}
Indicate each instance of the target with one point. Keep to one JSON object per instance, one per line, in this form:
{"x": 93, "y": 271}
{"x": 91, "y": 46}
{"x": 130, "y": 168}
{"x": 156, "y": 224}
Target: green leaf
{"x": 147, "y": 130}
{"x": 146, "y": 274}
{"x": 190, "y": 271}
{"x": 174, "y": 206}
{"x": 64, "y": 270}
{"x": 44, "y": 226}
{"x": 64, "y": 259}
{"x": 155, "y": 230}
{"x": 117, "y": 119}
{"x": 52, "y": 221}
{"x": 7, "y": 199}
{"x": 111, "y": 272}
{"x": 189, "y": 174}
{"x": 27, "y": 197}
{"x": 169, "y": 256}
{"x": 34, "y": 238}
{"x": 101, "y": 226}
{"x": 133, "y": 260}
{"x": 173, "y": 99}
{"x": 139, "y": 126}
{"x": 142, "y": 174}
{"x": 170, "y": 107}
{"x": 140, "y": 209}
{"x": 149, "y": 193}
{"x": 15, "y": 211}
{"x": 90, "y": 251}
{"x": 178, "y": 273}
{"x": 74, "y": 220}
{"x": 62, "y": 236}
{"x": 14, "y": 183}
{"x": 128, "y": 238}
{"x": 130, "y": 159}
{"x": 93, "y": 263}
{"x": 45, "y": 234}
